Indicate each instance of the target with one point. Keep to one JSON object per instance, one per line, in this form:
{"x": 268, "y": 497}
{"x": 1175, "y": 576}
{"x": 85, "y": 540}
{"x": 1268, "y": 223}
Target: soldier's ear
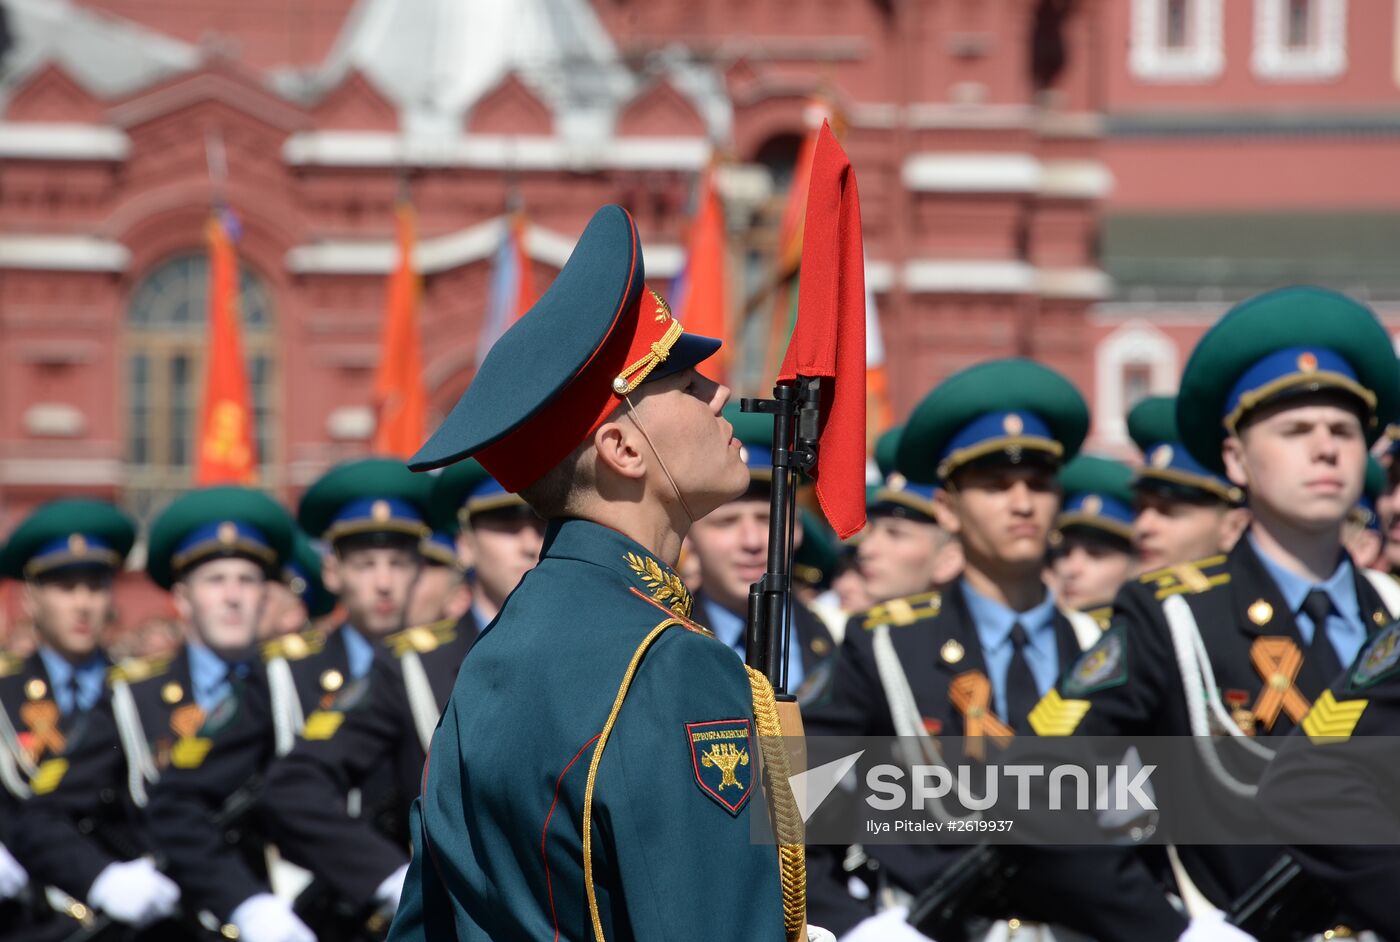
{"x": 945, "y": 510}
{"x": 330, "y": 574}
{"x": 180, "y": 594}
{"x": 1236, "y": 467}
{"x": 618, "y": 448}
{"x": 29, "y": 600}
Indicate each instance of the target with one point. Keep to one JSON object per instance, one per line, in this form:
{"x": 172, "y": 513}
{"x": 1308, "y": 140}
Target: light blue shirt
{"x": 359, "y": 653}
{"x": 211, "y": 676}
{"x": 994, "y": 622}
{"x": 1346, "y": 628}
{"x": 90, "y": 676}
{"x": 730, "y": 629}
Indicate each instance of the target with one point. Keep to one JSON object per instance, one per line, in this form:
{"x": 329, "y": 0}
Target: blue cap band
{"x": 994, "y": 432}
{"x": 75, "y": 549}
{"x": 222, "y": 538}
{"x": 1172, "y": 463}
{"x": 1365, "y": 511}
{"x": 759, "y": 458}
{"x": 376, "y": 515}
{"x": 441, "y": 548}
{"x": 897, "y": 492}
{"x": 489, "y": 494}
{"x": 1309, "y": 367}
{"x": 1100, "y": 511}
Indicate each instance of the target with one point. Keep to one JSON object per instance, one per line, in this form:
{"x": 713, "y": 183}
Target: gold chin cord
{"x": 636, "y": 420}
{"x": 787, "y": 821}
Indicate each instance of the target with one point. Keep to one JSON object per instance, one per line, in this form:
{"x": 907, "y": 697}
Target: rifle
{"x": 1284, "y": 904}
{"x": 949, "y": 909}
{"x": 796, "y": 411}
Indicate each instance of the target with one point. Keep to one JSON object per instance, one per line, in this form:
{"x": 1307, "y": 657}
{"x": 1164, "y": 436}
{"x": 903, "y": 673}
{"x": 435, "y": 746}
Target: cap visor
{"x": 689, "y": 350}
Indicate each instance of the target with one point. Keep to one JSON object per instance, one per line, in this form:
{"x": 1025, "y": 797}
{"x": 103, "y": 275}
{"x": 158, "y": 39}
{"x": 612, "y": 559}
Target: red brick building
{"x": 1089, "y": 182}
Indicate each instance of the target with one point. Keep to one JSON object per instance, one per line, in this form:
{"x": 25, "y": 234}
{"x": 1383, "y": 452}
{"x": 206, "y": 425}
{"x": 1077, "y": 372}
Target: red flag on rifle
{"x": 829, "y": 340}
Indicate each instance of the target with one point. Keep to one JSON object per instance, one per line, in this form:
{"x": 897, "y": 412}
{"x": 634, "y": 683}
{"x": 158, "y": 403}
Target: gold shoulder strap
{"x": 787, "y": 820}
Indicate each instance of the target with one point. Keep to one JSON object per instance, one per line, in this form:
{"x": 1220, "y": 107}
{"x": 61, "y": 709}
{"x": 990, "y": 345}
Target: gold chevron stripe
{"x": 1056, "y": 716}
{"x": 1332, "y": 720}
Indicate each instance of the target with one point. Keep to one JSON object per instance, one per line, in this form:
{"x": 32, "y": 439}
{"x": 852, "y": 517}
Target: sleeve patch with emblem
{"x": 1102, "y": 666}
{"x": 722, "y": 754}
{"x": 1379, "y": 659}
{"x": 1332, "y": 720}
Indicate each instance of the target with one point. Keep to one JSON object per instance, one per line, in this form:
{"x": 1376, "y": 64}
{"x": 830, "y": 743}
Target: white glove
{"x": 268, "y": 918}
{"x": 387, "y": 896}
{"x": 134, "y": 893}
{"x": 13, "y": 879}
{"x": 818, "y": 934}
{"x": 1212, "y": 927}
{"x": 892, "y": 925}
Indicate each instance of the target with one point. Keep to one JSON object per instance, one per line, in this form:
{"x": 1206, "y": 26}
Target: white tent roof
{"x": 108, "y": 56}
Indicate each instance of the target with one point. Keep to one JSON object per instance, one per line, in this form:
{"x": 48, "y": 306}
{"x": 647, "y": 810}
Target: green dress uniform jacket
{"x": 677, "y": 809}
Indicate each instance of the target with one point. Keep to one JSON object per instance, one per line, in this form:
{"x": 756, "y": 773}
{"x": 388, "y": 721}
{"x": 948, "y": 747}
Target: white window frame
{"x": 1152, "y": 60}
{"x": 1324, "y": 58}
{"x": 1136, "y": 342}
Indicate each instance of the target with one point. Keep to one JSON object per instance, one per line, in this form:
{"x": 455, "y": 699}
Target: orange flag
{"x": 227, "y": 452}
{"x": 702, "y": 301}
{"x": 401, "y": 405}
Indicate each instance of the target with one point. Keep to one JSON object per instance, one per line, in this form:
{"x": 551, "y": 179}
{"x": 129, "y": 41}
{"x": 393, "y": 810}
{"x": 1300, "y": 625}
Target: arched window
{"x": 166, "y": 334}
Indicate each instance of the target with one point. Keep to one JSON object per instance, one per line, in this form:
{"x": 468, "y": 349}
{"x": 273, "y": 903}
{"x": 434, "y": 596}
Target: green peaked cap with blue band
{"x": 1098, "y": 495}
{"x": 1011, "y": 408}
{"x": 367, "y": 495}
{"x": 64, "y": 533}
{"x": 216, "y": 523}
{"x": 1166, "y": 463}
{"x": 1284, "y": 343}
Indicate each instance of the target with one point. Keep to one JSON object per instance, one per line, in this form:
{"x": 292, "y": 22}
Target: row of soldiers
{"x": 166, "y": 796}
{"x": 171, "y": 796}
{"x": 605, "y": 761}
{"x": 1256, "y": 506}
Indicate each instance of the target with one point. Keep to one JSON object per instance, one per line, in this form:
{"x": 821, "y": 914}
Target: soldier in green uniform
{"x": 1091, "y": 552}
{"x": 971, "y": 660}
{"x": 215, "y": 549}
{"x": 1283, "y": 395}
{"x": 595, "y": 775}
{"x": 76, "y": 831}
{"x": 1182, "y": 509}
{"x": 731, "y": 543}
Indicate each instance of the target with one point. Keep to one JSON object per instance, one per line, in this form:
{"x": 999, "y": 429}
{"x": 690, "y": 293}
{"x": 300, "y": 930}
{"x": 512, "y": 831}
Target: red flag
{"x": 400, "y": 403}
{"x": 703, "y": 301}
{"x": 227, "y": 453}
{"x": 829, "y": 340}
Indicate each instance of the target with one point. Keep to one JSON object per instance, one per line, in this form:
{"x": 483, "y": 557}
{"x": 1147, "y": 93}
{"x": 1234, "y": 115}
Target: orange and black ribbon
{"x": 971, "y": 693}
{"x": 41, "y": 716}
{"x": 1278, "y": 661}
